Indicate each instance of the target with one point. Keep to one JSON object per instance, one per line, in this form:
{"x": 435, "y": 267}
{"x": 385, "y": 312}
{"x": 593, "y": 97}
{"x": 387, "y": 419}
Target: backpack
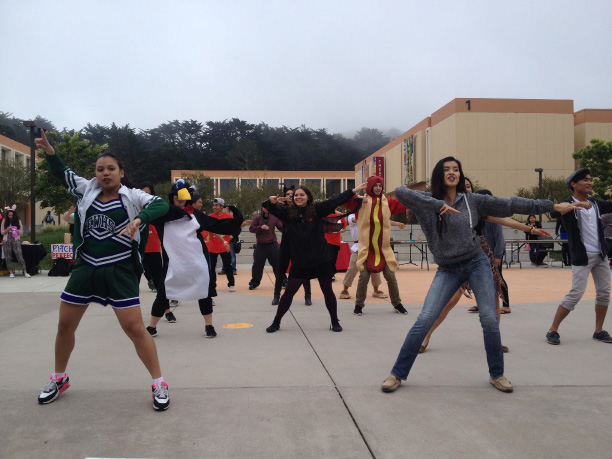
{"x": 61, "y": 268}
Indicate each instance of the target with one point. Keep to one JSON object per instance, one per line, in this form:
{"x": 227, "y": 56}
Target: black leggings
{"x": 161, "y": 303}
{"x": 283, "y": 264}
{"x": 152, "y": 264}
{"x": 293, "y": 285}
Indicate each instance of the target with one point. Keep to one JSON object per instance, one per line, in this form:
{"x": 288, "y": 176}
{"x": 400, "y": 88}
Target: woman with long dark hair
{"x": 283, "y": 262}
{"x": 448, "y": 216}
{"x": 499, "y": 283}
{"x": 310, "y": 257}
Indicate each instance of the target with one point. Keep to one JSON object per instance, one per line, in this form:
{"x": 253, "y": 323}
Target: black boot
{"x": 274, "y": 327}
{"x": 307, "y": 300}
{"x": 335, "y": 325}
{"x": 275, "y": 300}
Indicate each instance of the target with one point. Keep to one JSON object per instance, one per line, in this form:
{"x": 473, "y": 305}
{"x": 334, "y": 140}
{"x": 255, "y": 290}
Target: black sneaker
{"x": 161, "y": 398}
{"x": 307, "y": 300}
{"x": 252, "y": 286}
{"x": 152, "y": 331}
{"x": 272, "y": 328}
{"x": 170, "y": 317}
{"x": 210, "y": 331}
{"x": 52, "y": 389}
{"x": 400, "y": 308}
{"x": 553, "y": 337}
{"x": 603, "y": 336}
{"x": 335, "y": 326}
{"x": 275, "y": 300}
{"x": 151, "y": 286}
{"x": 358, "y": 310}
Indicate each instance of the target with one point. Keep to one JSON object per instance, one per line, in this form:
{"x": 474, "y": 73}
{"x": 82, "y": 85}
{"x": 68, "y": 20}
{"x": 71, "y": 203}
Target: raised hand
{"x": 360, "y": 188}
{"x": 44, "y": 144}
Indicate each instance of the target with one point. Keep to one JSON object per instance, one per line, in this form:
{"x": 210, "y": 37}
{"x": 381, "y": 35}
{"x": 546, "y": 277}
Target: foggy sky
{"x": 338, "y": 65}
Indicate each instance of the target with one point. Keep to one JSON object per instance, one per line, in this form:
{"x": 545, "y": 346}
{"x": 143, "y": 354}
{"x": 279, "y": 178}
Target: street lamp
{"x": 539, "y": 170}
{"x": 32, "y": 127}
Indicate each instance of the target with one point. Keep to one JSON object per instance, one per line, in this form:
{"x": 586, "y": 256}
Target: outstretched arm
{"x": 510, "y": 223}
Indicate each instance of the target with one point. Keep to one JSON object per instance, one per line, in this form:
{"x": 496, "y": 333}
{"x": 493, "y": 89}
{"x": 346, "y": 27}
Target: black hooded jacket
{"x": 577, "y": 250}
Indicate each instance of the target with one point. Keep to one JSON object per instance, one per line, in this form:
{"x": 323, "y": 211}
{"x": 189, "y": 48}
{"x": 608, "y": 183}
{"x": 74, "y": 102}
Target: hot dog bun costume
{"x": 374, "y": 229}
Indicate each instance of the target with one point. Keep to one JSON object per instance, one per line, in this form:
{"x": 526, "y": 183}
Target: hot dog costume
{"x": 375, "y": 253}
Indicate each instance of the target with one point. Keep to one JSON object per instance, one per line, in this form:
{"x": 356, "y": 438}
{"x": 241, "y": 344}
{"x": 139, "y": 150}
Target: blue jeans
{"x": 447, "y": 281}
{"x": 233, "y": 254}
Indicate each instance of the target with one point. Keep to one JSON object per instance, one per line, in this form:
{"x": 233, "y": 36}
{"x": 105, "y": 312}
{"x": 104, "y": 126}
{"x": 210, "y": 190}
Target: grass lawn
{"x": 53, "y": 235}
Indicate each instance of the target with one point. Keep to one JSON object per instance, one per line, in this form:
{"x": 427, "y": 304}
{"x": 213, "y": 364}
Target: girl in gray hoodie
{"x": 448, "y": 217}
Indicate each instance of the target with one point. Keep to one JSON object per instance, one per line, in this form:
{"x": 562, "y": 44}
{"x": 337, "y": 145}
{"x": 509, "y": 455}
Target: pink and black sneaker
{"x": 53, "y": 388}
{"x": 161, "y": 399}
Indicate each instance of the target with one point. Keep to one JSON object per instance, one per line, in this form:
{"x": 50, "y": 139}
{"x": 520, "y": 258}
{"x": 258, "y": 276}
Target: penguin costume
{"x": 186, "y": 273}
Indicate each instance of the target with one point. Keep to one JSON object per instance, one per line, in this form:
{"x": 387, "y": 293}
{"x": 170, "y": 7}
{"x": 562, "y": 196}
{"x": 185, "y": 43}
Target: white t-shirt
{"x": 588, "y": 228}
{"x": 354, "y": 232}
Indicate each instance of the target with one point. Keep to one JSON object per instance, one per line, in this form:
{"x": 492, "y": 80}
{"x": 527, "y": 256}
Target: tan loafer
{"x": 380, "y": 295}
{"x": 391, "y": 383}
{"x": 502, "y": 384}
{"x": 344, "y": 296}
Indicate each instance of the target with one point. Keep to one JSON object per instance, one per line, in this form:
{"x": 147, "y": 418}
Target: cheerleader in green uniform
{"x": 106, "y": 239}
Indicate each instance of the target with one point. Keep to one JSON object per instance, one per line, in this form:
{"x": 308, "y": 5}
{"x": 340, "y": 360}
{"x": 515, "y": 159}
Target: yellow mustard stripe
{"x": 376, "y": 234}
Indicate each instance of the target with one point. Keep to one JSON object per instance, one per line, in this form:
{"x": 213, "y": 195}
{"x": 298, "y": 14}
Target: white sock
{"x": 59, "y": 376}
{"x": 157, "y": 382}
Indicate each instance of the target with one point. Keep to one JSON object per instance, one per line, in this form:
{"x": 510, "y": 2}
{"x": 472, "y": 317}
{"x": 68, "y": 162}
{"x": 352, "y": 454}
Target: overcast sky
{"x": 338, "y": 65}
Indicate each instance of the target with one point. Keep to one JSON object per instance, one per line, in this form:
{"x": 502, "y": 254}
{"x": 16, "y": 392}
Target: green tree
{"x": 14, "y": 183}
{"x": 162, "y": 189}
{"x": 244, "y": 156}
{"x": 598, "y": 158}
{"x": 79, "y": 155}
{"x": 553, "y": 189}
{"x": 204, "y": 185}
{"x": 369, "y": 140}
{"x": 249, "y": 200}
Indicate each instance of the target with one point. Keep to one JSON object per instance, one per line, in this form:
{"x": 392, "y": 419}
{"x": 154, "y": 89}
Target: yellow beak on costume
{"x": 183, "y": 195}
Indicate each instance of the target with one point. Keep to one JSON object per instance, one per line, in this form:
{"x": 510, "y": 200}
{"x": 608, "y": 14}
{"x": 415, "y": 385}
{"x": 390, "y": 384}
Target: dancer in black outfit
{"x": 310, "y": 257}
{"x": 283, "y": 262}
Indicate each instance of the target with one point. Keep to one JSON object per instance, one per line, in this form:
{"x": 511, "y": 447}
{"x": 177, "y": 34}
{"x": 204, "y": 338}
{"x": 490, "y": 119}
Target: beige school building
{"x": 500, "y": 143}
{"x": 330, "y": 182}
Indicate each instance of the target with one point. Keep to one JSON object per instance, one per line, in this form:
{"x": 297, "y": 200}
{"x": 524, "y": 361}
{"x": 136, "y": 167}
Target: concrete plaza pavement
{"x": 306, "y": 391}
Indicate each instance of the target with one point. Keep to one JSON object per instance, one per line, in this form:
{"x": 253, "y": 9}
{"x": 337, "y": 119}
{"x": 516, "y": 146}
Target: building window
{"x": 226, "y": 185}
{"x": 350, "y": 184}
{"x": 333, "y": 187}
{"x": 292, "y": 183}
{"x": 248, "y": 184}
{"x": 272, "y": 183}
{"x": 313, "y": 182}
{"x": 4, "y": 152}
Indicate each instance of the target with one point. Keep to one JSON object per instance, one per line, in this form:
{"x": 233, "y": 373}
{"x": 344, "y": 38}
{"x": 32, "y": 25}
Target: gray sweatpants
{"x": 600, "y": 269}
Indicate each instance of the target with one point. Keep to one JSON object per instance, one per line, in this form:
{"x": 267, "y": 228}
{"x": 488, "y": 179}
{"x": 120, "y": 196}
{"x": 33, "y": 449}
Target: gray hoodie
{"x": 459, "y": 241}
